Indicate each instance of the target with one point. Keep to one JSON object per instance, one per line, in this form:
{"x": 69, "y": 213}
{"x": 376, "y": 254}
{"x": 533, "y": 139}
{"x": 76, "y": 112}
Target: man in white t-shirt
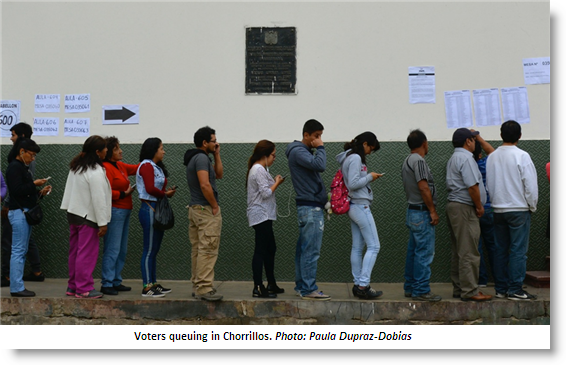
{"x": 512, "y": 185}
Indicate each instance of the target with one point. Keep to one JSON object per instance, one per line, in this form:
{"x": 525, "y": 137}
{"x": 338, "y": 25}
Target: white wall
{"x": 184, "y": 64}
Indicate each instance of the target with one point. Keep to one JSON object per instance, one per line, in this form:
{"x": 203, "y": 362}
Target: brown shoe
{"x": 479, "y": 297}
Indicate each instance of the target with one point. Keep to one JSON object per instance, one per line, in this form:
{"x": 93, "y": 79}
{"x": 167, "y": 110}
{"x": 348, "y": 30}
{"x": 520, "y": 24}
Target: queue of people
{"x": 98, "y": 203}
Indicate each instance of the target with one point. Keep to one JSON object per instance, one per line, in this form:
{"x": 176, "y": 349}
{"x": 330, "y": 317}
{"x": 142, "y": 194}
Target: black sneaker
{"x": 122, "y": 288}
{"x": 23, "y": 294}
{"x": 161, "y": 289}
{"x": 274, "y": 289}
{"x": 108, "y": 290}
{"x": 368, "y": 293}
{"x": 152, "y": 292}
{"x": 33, "y": 277}
{"x": 521, "y": 295}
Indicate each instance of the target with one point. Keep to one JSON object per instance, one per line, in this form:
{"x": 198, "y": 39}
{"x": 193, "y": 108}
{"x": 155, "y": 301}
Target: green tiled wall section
{"x": 237, "y": 242}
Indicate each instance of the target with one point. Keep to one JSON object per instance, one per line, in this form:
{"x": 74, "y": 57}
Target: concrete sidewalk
{"x": 52, "y": 306}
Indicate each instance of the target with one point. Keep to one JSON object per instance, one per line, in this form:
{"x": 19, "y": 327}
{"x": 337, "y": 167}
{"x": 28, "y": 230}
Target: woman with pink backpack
{"x": 364, "y": 232}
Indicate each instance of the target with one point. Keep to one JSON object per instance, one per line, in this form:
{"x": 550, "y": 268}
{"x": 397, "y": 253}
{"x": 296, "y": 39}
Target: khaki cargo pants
{"x": 204, "y": 234}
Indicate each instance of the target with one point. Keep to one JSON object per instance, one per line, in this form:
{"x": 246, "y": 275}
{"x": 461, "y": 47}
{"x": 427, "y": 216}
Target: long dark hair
{"x": 148, "y": 151}
{"x": 88, "y": 157}
{"x": 357, "y": 145}
{"x": 262, "y": 149}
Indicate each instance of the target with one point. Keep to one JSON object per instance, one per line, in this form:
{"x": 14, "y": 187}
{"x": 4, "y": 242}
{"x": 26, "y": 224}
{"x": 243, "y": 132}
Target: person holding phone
{"x": 116, "y": 237}
{"x": 151, "y": 181}
{"x": 205, "y": 216}
{"x": 23, "y": 197}
{"x": 261, "y": 212}
{"x": 364, "y": 232}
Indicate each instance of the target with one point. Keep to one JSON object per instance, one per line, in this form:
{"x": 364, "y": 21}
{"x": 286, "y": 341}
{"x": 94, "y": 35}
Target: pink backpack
{"x": 339, "y": 201}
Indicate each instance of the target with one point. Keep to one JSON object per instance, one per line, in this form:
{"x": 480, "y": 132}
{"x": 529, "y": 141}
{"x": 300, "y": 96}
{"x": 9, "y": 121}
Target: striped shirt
{"x": 261, "y": 200}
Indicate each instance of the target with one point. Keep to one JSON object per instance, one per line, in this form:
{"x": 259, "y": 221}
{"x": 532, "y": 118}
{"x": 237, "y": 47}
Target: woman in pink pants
{"x": 88, "y": 202}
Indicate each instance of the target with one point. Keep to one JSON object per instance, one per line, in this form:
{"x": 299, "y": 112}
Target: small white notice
{"x": 45, "y": 127}
{"x": 47, "y": 103}
{"x": 487, "y": 108}
{"x": 77, "y": 103}
{"x": 516, "y": 104}
{"x": 76, "y": 127}
{"x": 9, "y": 116}
{"x": 458, "y": 109}
{"x": 422, "y": 85}
{"x": 121, "y": 114}
{"x": 536, "y": 70}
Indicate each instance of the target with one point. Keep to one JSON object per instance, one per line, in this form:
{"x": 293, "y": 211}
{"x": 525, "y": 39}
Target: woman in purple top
{"x": 3, "y": 184}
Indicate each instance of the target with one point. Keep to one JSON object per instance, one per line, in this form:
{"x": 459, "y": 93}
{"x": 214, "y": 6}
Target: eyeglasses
{"x": 32, "y": 154}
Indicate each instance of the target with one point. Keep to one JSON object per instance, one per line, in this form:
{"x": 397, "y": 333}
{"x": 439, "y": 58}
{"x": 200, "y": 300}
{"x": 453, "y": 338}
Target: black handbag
{"x": 163, "y": 218}
{"x": 34, "y": 215}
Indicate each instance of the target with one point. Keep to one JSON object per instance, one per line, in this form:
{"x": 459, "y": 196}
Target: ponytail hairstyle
{"x": 262, "y": 149}
{"x": 357, "y": 145}
{"x": 149, "y": 149}
{"x": 88, "y": 157}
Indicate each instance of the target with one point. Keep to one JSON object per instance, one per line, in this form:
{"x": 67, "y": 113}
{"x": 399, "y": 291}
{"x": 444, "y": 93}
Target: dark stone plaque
{"x": 271, "y": 62}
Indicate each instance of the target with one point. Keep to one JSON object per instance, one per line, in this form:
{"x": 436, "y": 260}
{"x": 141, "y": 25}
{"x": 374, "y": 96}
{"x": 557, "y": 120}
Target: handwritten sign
{"x": 77, "y": 127}
{"x": 47, "y": 103}
{"x": 45, "y": 126}
{"x": 77, "y": 103}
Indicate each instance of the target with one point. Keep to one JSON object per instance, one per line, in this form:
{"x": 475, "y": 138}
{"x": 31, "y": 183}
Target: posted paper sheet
{"x": 487, "y": 107}
{"x": 45, "y": 126}
{"x": 77, "y": 103}
{"x": 516, "y": 104}
{"x": 422, "y": 85}
{"x": 47, "y": 103}
{"x": 458, "y": 109}
{"x": 9, "y": 116}
{"x": 536, "y": 70}
{"x": 77, "y": 127}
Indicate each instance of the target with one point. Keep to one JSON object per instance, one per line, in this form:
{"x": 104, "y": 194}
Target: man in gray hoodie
{"x": 305, "y": 167}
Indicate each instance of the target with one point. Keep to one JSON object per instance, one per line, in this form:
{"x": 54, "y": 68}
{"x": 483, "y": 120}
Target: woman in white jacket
{"x": 88, "y": 202}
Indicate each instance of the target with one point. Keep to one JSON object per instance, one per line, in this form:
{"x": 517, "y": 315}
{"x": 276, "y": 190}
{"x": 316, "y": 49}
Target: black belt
{"x": 418, "y": 207}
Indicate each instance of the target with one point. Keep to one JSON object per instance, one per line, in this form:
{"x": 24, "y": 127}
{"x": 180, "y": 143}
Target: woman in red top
{"x": 116, "y": 238}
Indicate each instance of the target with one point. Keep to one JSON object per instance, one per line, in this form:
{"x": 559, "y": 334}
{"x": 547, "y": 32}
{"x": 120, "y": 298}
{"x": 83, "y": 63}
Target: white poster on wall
{"x": 120, "y": 114}
{"x": 516, "y": 104}
{"x": 76, "y": 127}
{"x": 458, "y": 109}
{"x": 77, "y": 103}
{"x": 422, "y": 85}
{"x": 536, "y": 70}
{"x": 9, "y": 116}
{"x": 45, "y": 127}
{"x": 47, "y": 103}
{"x": 487, "y": 107}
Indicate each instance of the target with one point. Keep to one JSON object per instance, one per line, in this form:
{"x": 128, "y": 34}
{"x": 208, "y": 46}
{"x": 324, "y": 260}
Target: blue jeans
{"x": 311, "y": 226}
{"x": 487, "y": 240}
{"x": 151, "y": 243}
{"x": 364, "y": 233}
{"x": 511, "y": 244}
{"x": 21, "y": 232}
{"x": 115, "y": 247}
{"x": 420, "y": 252}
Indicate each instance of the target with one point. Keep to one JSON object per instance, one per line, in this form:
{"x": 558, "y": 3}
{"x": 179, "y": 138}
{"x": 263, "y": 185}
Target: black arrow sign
{"x": 123, "y": 114}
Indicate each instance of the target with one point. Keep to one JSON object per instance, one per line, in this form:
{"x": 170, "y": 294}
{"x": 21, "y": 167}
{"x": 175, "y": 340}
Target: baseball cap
{"x": 462, "y": 134}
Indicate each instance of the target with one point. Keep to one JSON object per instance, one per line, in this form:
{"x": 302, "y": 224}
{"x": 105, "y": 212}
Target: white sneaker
{"x": 316, "y": 295}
